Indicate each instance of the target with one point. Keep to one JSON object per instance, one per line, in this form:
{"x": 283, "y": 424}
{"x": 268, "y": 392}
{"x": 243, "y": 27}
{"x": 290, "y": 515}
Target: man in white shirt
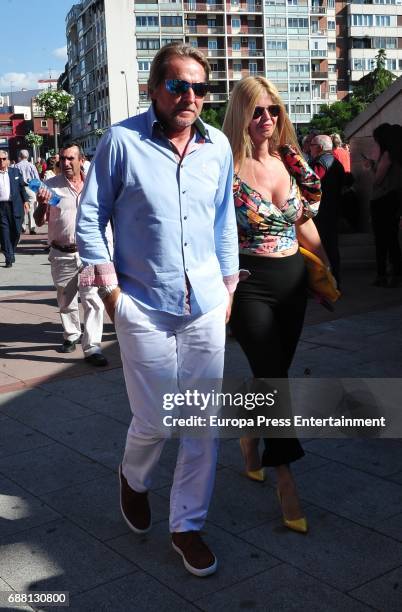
{"x": 28, "y": 172}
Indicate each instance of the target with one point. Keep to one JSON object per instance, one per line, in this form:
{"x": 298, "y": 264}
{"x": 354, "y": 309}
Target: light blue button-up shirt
{"x": 171, "y": 219}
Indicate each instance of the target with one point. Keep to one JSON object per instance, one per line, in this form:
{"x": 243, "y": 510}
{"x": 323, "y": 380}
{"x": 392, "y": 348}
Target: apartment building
{"x": 313, "y": 50}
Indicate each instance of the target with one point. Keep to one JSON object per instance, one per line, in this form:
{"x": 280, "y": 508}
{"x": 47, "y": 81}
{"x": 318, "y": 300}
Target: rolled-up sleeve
{"x": 102, "y": 185}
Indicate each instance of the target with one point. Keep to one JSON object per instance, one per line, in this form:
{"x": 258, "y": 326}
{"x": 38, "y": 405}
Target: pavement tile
{"x": 154, "y": 554}
{"x": 336, "y": 551}
{"x": 19, "y": 510}
{"x": 115, "y": 406}
{"x": 95, "y": 507}
{"x": 58, "y": 556}
{"x": 320, "y": 362}
{"x": 114, "y": 376}
{"x": 40, "y": 409}
{"x": 281, "y": 589}
{"x": 82, "y": 388}
{"x": 380, "y": 457}
{"x": 385, "y": 593}
{"x": 97, "y": 437}
{"x": 391, "y": 527}
{"x": 50, "y": 468}
{"x": 15, "y": 436}
{"x": 135, "y": 592}
{"x": 351, "y": 493}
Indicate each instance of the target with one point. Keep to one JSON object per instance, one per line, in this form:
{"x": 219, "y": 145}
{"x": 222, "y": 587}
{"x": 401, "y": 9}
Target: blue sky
{"x": 33, "y": 40}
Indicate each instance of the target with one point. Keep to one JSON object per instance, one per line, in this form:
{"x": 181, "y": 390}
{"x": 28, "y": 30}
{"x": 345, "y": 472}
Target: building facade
{"x": 313, "y": 50}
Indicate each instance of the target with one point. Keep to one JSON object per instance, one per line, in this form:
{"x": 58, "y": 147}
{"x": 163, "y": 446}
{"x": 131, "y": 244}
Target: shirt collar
{"x": 154, "y": 123}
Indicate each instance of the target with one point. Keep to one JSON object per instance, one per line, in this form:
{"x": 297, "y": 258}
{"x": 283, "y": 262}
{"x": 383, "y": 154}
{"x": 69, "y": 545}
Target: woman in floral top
{"x": 276, "y": 195}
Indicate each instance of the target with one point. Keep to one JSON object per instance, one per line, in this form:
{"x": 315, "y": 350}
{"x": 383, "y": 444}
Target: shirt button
{"x": 184, "y": 190}
{"x": 186, "y": 269}
{"x": 185, "y": 244}
{"x": 185, "y": 218}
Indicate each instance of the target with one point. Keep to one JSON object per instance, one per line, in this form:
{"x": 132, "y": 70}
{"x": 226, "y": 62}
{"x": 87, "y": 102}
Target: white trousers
{"x": 158, "y": 346}
{"x": 64, "y": 269}
{"x": 29, "y": 221}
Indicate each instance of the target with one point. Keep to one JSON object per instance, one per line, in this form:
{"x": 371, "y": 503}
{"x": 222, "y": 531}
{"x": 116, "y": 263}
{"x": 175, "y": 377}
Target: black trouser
{"x": 8, "y": 230}
{"x": 267, "y": 320}
{"x": 385, "y": 222}
{"x": 328, "y": 232}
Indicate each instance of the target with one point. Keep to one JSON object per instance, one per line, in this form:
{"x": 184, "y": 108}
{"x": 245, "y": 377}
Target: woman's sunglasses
{"x": 274, "y": 111}
{"x": 178, "y": 87}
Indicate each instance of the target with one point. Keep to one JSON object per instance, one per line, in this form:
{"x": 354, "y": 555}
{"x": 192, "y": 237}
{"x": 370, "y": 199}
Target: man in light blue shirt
{"x": 28, "y": 172}
{"x": 165, "y": 178}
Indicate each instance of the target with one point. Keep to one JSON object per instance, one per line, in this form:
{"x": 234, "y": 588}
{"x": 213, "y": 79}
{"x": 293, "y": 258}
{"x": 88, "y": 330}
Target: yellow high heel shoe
{"x": 255, "y": 475}
{"x": 299, "y": 525}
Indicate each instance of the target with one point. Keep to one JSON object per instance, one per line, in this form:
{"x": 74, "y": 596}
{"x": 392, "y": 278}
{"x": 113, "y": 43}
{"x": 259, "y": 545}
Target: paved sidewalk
{"x": 62, "y": 430}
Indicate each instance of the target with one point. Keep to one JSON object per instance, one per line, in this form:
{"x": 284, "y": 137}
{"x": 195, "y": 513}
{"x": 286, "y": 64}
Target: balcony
{"x": 319, "y": 52}
{"x": 244, "y": 31}
{"x": 213, "y": 52}
{"x": 249, "y": 7}
{"x": 319, "y": 32}
{"x": 318, "y": 10}
{"x": 216, "y": 97}
{"x": 246, "y": 53}
{"x": 216, "y": 76}
{"x": 315, "y": 74}
{"x": 200, "y": 7}
{"x": 236, "y": 76}
{"x": 203, "y": 30}
{"x": 147, "y": 52}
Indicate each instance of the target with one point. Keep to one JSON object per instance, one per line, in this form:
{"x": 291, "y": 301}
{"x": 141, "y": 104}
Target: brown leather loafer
{"x": 197, "y": 557}
{"x": 134, "y": 507}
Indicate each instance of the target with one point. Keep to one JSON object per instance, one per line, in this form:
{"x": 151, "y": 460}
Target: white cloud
{"x": 60, "y": 53}
{"x": 22, "y": 80}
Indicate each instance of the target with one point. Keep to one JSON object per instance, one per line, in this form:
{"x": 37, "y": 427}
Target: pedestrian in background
{"x": 65, "y": 261}
{"x": 13, "y": 203}
{"x": 29, "y": 172}
{"x": 385, "y": 204}
{"x": 332, "y": 177}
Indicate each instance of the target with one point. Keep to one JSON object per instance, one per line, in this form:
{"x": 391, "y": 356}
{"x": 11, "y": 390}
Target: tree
{"x": 214, "y": 116}
{"x": 56, "y": 104}
{"x": 334, "y": 117}
{"x": 36, "y": 141}
{"x": 371, "y": 85}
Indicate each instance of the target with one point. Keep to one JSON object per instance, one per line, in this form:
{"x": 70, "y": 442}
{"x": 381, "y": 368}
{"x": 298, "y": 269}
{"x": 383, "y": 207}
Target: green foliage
{"x": 34, "y": 139}
{"x": 334, "y": 117}
{"x": 55, "y": 103}
{"x": 214, "y": 116}
{"x": 369, "y": 87}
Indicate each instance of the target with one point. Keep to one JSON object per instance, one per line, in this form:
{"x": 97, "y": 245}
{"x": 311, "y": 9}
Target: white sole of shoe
{"x": 135, "y": 529}
{"x": 201, "y": 573}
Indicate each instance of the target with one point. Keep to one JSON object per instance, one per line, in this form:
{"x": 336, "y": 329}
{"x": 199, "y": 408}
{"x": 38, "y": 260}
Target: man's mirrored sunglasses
{"x": 274, "y": 111}
{"x": 178, "y": 87}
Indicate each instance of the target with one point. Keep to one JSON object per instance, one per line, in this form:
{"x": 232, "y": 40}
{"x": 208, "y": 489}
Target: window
{"x": 143, "y": 65}
{"x": 303, "y": 68}
{"x": 214, "y": 66}
{"x": 236, "y": 46}
{"x": 192, "y": 23}
{"x": 362, "y": 20}
{"x": 171, "y": 21}
{"x": 193, "y": 42}
{"x": 300, "y": 87}
{"x": 331, "y": 46}
{"x": 252, "y": 66}
{"x": 212, "y": 23}
{"x": 384, "y": 43}
{"x": 167, "y": 41}
{"x": 212, "y": 44}
{"x": 43, "y": 123}
{"x": 236, "y": 66}
{"x": 331, "y": 24}
{"x": 147, "y": 21}
{"x": 275, "y": 22}
{"x": 331, "y": 67}
{"x": 236, "y": 23}
{"x": 391, "y": 64}
{"x": 332, "y": 89}
{"x": 277, "y": 44}
{"x": 297, "y": 22}
{"x": 148, "y": 43}
{"x": 383, "y": 20}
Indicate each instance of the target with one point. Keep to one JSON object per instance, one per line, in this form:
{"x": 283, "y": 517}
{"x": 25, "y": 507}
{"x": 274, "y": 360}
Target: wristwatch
{"x": 103, "y": 292}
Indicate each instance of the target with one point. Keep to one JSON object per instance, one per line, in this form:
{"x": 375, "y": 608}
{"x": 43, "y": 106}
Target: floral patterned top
{"x": 265, "y": 228}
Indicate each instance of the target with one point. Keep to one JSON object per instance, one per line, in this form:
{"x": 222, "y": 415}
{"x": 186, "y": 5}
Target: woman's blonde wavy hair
{"x": 239, "y": 114}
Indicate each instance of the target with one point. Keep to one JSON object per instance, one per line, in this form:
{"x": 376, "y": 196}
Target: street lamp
{"x": 125, "y": 80}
